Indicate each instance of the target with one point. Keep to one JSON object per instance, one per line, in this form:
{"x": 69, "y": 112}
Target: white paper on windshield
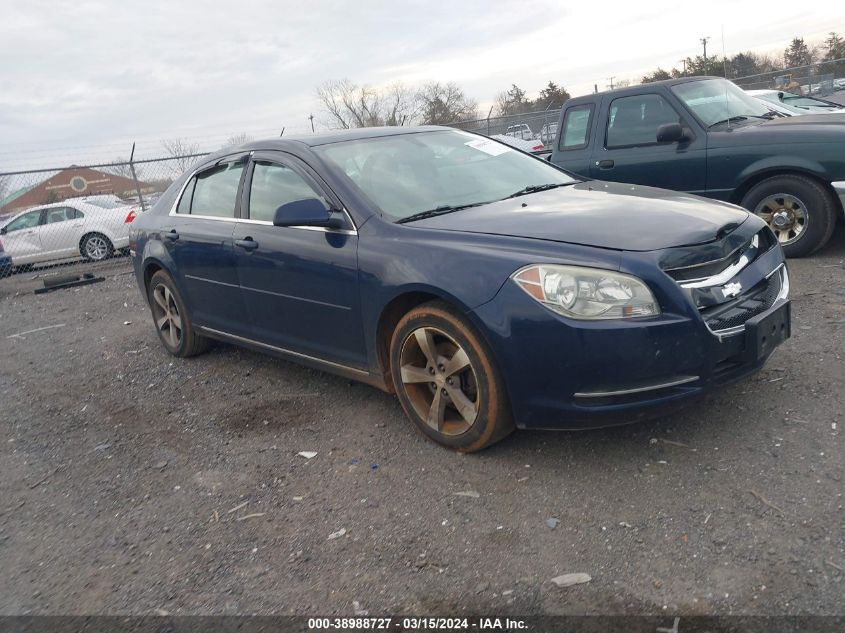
{"x": 488, "y": 147}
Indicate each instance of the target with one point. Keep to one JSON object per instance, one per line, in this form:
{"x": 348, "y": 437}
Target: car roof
{"x": 337, "y": 136}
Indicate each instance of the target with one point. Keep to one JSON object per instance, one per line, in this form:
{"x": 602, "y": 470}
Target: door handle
{"x": 247, "y": 244}
{"x": 172, "y": 236}
{"x": 604, "y": 164}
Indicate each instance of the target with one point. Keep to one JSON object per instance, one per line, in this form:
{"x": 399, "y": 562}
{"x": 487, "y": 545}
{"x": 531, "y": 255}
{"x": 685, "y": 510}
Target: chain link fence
{"x": 820, "y": 79}
{"x": 530, "y": 131}
{"x": 78, "y": 217}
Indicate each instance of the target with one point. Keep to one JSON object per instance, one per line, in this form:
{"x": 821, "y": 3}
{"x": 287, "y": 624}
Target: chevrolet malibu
{"x": 487, "y": 288}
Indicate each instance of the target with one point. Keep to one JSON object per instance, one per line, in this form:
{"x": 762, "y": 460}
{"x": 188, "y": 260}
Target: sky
{"x": 80, "y": 81}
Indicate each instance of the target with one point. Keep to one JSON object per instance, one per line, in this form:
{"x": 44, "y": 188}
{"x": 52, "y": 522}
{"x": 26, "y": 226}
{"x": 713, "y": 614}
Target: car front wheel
{"x": 446, "y": 380}
{"x": 171, "y": 318}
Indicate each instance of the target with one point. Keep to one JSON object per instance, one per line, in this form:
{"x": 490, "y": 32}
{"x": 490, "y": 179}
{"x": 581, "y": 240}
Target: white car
{"x": 520, "y": 130}
{"x": 796, "y": 104}
{"x": 93, "y": 228}
{"x": 525, "y": 145}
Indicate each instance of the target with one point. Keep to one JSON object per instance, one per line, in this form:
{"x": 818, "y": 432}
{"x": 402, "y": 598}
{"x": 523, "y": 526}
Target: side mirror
{"x": 670, "y": 133}
{"x": 306, "y": 212}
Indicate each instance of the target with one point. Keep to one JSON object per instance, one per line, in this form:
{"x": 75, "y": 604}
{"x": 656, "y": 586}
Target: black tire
{"x": 5, "y": 270}
{"x": 182, "y": 340}
{"x": 479, "y": 384}
{"x": 817, "y": 204}
{"x": 95, "y": 247}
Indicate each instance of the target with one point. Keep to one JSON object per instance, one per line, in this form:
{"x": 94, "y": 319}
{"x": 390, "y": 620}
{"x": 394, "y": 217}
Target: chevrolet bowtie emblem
{"x": 731, "y": 290}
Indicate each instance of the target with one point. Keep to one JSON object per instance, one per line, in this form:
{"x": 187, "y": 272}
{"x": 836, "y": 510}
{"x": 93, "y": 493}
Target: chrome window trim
{"x": 175, "y": 205}
{"x": 282, "y": 350}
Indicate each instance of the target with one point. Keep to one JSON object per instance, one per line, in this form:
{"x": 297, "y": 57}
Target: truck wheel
{"x": 446, "y": 379}
{"x": 173, "y": 323}
{"x": 799, "y": 210}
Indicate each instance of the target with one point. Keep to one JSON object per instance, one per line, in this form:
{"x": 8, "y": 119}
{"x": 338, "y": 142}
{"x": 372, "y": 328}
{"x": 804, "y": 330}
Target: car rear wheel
{"x": 96, "y": 247}
{"x": 799, "y": 210}
{"x": 171, "y": 318}
{"x": 446, "y": 380}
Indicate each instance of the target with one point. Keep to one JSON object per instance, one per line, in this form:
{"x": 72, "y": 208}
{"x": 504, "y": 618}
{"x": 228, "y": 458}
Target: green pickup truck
{"x": 705, "y": 136}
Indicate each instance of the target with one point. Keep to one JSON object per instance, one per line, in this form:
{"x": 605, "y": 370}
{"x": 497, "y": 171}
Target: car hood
{"x": 602, "y": 214}
{"x": 802, "y": 128}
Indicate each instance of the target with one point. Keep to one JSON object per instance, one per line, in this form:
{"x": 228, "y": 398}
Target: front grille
{"x": 735, "y": 313}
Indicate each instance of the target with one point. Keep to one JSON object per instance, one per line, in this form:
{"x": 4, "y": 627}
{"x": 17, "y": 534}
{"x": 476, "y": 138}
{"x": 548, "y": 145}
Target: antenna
{"x": 725, "y": 73}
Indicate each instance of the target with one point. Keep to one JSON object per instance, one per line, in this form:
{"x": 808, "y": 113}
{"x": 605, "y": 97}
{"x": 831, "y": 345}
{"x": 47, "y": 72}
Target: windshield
{"x": 408, "y": 174}
{"x": 717, "y": 100}
{"x": 790, "y": 99}
{"x": 772, "y": 97}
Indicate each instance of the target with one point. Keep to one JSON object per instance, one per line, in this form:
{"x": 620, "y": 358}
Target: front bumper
{"x": 839, "y": 188}
{"x": 566, "y": 374}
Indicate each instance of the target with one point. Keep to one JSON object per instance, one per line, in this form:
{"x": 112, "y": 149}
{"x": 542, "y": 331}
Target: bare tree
{"x": 237, "y": 139}
{"x": 445, "y": 103}
{"x": 349, "y": 105}
{"x": 401, "y": 105}
{"x": 180, "y": 150}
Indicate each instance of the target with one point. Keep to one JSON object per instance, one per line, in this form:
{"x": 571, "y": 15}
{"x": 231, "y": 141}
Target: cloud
{"x": 83, "y": 73}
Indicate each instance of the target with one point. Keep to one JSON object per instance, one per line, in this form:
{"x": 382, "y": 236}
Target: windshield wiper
{"x": 441, "y": 210}
{"x": 728, "y": 120}
{"x": 535, "y": 188}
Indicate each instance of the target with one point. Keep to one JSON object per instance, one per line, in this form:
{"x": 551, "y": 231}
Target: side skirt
{"x": 352, "y": 373}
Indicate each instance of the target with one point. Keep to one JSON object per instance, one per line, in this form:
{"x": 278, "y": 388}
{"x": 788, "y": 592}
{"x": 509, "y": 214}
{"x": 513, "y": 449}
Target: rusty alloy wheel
{"x": 447, "y": 380}
{"x": 439, "y": 381}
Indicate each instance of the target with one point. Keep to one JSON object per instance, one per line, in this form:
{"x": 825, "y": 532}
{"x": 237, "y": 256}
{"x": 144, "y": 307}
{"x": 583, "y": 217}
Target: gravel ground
{"x": 135, "y": 483}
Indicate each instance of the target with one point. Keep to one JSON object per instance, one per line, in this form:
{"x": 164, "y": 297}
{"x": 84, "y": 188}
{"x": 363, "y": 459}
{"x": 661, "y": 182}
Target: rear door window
{"x": 61, "y": 214}
{"x": 213, "y": 192}
{"x": 576, "y": 127}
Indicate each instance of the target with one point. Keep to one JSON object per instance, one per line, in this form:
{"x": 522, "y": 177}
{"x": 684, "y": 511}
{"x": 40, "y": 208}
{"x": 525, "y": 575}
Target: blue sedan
{"x": 487, "y": 288}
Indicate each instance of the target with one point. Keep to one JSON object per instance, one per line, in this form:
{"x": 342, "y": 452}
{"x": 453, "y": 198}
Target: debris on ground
{"x": 254, "y": 515}
{"x": 238, "y": 507}
{"x": 625, "y": 524}
{"x": 337, "y": 534}
{"x": 766, "y": 502}
{"x": 467, "y": 493}
{"x": 307, "y": 454}
{"x": 552, "y": 522}
{"x": 357, "y": 609}
{"x": 567, "y": 580}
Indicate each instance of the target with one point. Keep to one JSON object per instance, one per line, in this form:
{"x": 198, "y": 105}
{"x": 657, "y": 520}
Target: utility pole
{"x": 684, "y": 62}
{"x": 311, "y": 118}
{"x": 704, "y": 41}
{"x": 610, "y": 79}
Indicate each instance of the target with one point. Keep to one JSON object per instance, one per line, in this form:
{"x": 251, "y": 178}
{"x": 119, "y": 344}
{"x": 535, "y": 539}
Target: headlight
{"x": 587, "y": 293}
